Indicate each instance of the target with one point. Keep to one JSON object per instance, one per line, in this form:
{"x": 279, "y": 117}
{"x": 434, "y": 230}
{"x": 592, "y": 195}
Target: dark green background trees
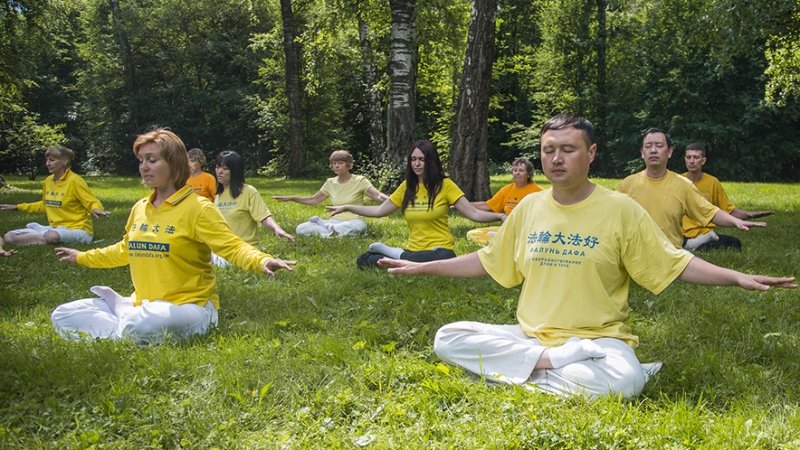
{"x": 94, "y": 73}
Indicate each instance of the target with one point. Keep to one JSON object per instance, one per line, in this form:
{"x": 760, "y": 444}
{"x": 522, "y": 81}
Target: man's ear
{"x": 592, "y": 152}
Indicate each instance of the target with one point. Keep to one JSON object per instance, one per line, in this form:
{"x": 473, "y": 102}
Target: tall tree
{"x": 401, "y": 119}
{"x": 468, "y": 160}
{"x": 293, "y": 92}
{"x": 377, "y": 141}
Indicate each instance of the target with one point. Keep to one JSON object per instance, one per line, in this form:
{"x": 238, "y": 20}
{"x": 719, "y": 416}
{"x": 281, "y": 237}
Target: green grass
{"x": 332, "y": 357}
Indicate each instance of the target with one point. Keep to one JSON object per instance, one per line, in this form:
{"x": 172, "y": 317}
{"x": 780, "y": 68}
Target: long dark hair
{"x": 434, "y": 174}
{"x": 233, "y": 161}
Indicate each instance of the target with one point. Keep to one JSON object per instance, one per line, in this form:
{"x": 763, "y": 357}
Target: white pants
{"x": 503, "y": 353}
{"x": 115, "y": 317}
{"x": 326, "y": 228}
{"x": 67, "y": 235}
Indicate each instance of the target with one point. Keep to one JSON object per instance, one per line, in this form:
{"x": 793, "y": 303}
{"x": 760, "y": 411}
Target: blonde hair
{"x": 342, "y": 155}
{"x": 60, "y": 152}
{"x": 172, "y": 150}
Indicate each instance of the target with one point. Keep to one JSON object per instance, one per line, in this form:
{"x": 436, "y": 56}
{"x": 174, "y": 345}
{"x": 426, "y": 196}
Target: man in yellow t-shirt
{"x": 667, "y": 196}
{"x": 506, "y": 198}
{"x": 575, "y": 248}
{"x": 699, "y": 237}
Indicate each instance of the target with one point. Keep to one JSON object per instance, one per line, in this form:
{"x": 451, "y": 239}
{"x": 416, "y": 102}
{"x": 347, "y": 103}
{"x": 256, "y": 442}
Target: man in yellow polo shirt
{"x": 575, "y": 248}
{"x": 667, "y": 196}
{"x": 699, "y": 237}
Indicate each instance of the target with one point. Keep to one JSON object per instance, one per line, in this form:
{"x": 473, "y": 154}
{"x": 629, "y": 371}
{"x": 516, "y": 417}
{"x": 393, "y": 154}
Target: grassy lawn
{"x": 332, "y": 357}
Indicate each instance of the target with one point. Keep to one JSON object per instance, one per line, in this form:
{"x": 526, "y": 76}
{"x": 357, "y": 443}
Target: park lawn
{"x": 329, "y": 356}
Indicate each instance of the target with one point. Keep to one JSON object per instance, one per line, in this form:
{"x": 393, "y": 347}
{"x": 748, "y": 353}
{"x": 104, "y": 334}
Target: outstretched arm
{"x": 481, "y": 205}
{"x": 464, "y": 266}
{"x": 270, "y": 223}
{"x": 702, "y": 272}
{"x": 271, "y": 265}
{"x": 68, "y": 255}
{"x": 471, "y": 212}
{"x": 746, "y": 215}
{"x": 6, "y": 207}
{"x": 376, "y": 195}
{"x": 382, "y": 210}
{"x": 315, "y": 199}
{"x": 724, "y": 219}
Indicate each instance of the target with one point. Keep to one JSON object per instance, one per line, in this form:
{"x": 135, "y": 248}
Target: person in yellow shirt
{"x": 343, "y": 189}
{"x": 241, "y": 204}
{"x": 203, "y": 183}
{"x": 667, "y": 196}
{"x": 167, "y": 246}
{"x": 67, "y": 201}
{"x": 697, "y": 236}
{"x": 424, "y": 198}
{"x": 506, "y": 198}
{"x": 575, "y": 248}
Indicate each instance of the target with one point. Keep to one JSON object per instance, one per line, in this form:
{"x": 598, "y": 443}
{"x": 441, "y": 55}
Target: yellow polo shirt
{"x": 68, "y": 203}
{"x": 168, "y": 249}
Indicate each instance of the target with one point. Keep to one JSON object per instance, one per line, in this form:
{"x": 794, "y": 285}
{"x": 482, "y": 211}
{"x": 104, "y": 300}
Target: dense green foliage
{"x": 94, "y": 73}
{"x": 329, "y": 356}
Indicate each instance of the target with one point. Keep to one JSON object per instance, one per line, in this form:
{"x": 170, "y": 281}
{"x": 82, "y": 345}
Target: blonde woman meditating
{"x": 343, "y": 189}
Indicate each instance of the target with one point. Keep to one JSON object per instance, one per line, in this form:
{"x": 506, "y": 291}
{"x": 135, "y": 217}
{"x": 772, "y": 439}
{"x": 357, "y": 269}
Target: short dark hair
{"x": 569, "y": 120}
{"x": 653, "y": 130}
{"x": 696, "y": 147}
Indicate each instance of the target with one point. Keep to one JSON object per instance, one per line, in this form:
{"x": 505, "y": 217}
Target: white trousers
{"x": 112, "y": 316}
{"x": 326, "y": 228}
{"x": 505, "y": 354}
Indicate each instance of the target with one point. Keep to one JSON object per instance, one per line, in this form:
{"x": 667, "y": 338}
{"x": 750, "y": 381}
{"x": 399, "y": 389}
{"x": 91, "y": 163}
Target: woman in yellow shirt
{"x": 343, "y": 189}
{"x": 424, "y": 198}
{"x": 168, "y": 242}
{"x": 67, "y": 201}
{"x": 241, "y": 204}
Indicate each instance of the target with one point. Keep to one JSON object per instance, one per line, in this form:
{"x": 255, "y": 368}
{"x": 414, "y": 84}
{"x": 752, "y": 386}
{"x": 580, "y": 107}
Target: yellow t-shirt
{"x": 576, "y": 263}
{"x": 668, "y": 199}
{"x": 427, "y": 228}
{"x": 168, "y": 249}
{"x": 509, "y": 196}
{"x": 244, "y": 213}
{"x": 710, "y": 187}
{"x": 204, "y": 185}
{"x": 351, "y": 192}
{"x": 68, "y": 203}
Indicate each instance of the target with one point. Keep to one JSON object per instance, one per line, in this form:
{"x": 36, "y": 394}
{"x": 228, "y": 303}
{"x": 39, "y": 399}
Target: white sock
{"x": 391, "y": 252}
{"x": 574, "y": 350}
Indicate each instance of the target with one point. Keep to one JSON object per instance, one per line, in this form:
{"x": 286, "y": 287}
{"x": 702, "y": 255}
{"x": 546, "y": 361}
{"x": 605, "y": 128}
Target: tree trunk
{"x": 400, "y": 126}
{"x": 602, "y": 97}
{"x": 377, "y": 143}
{"x": 128, "y": 67}
{"x": 468, "y": 160}
{"x": 292, "y": 55}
